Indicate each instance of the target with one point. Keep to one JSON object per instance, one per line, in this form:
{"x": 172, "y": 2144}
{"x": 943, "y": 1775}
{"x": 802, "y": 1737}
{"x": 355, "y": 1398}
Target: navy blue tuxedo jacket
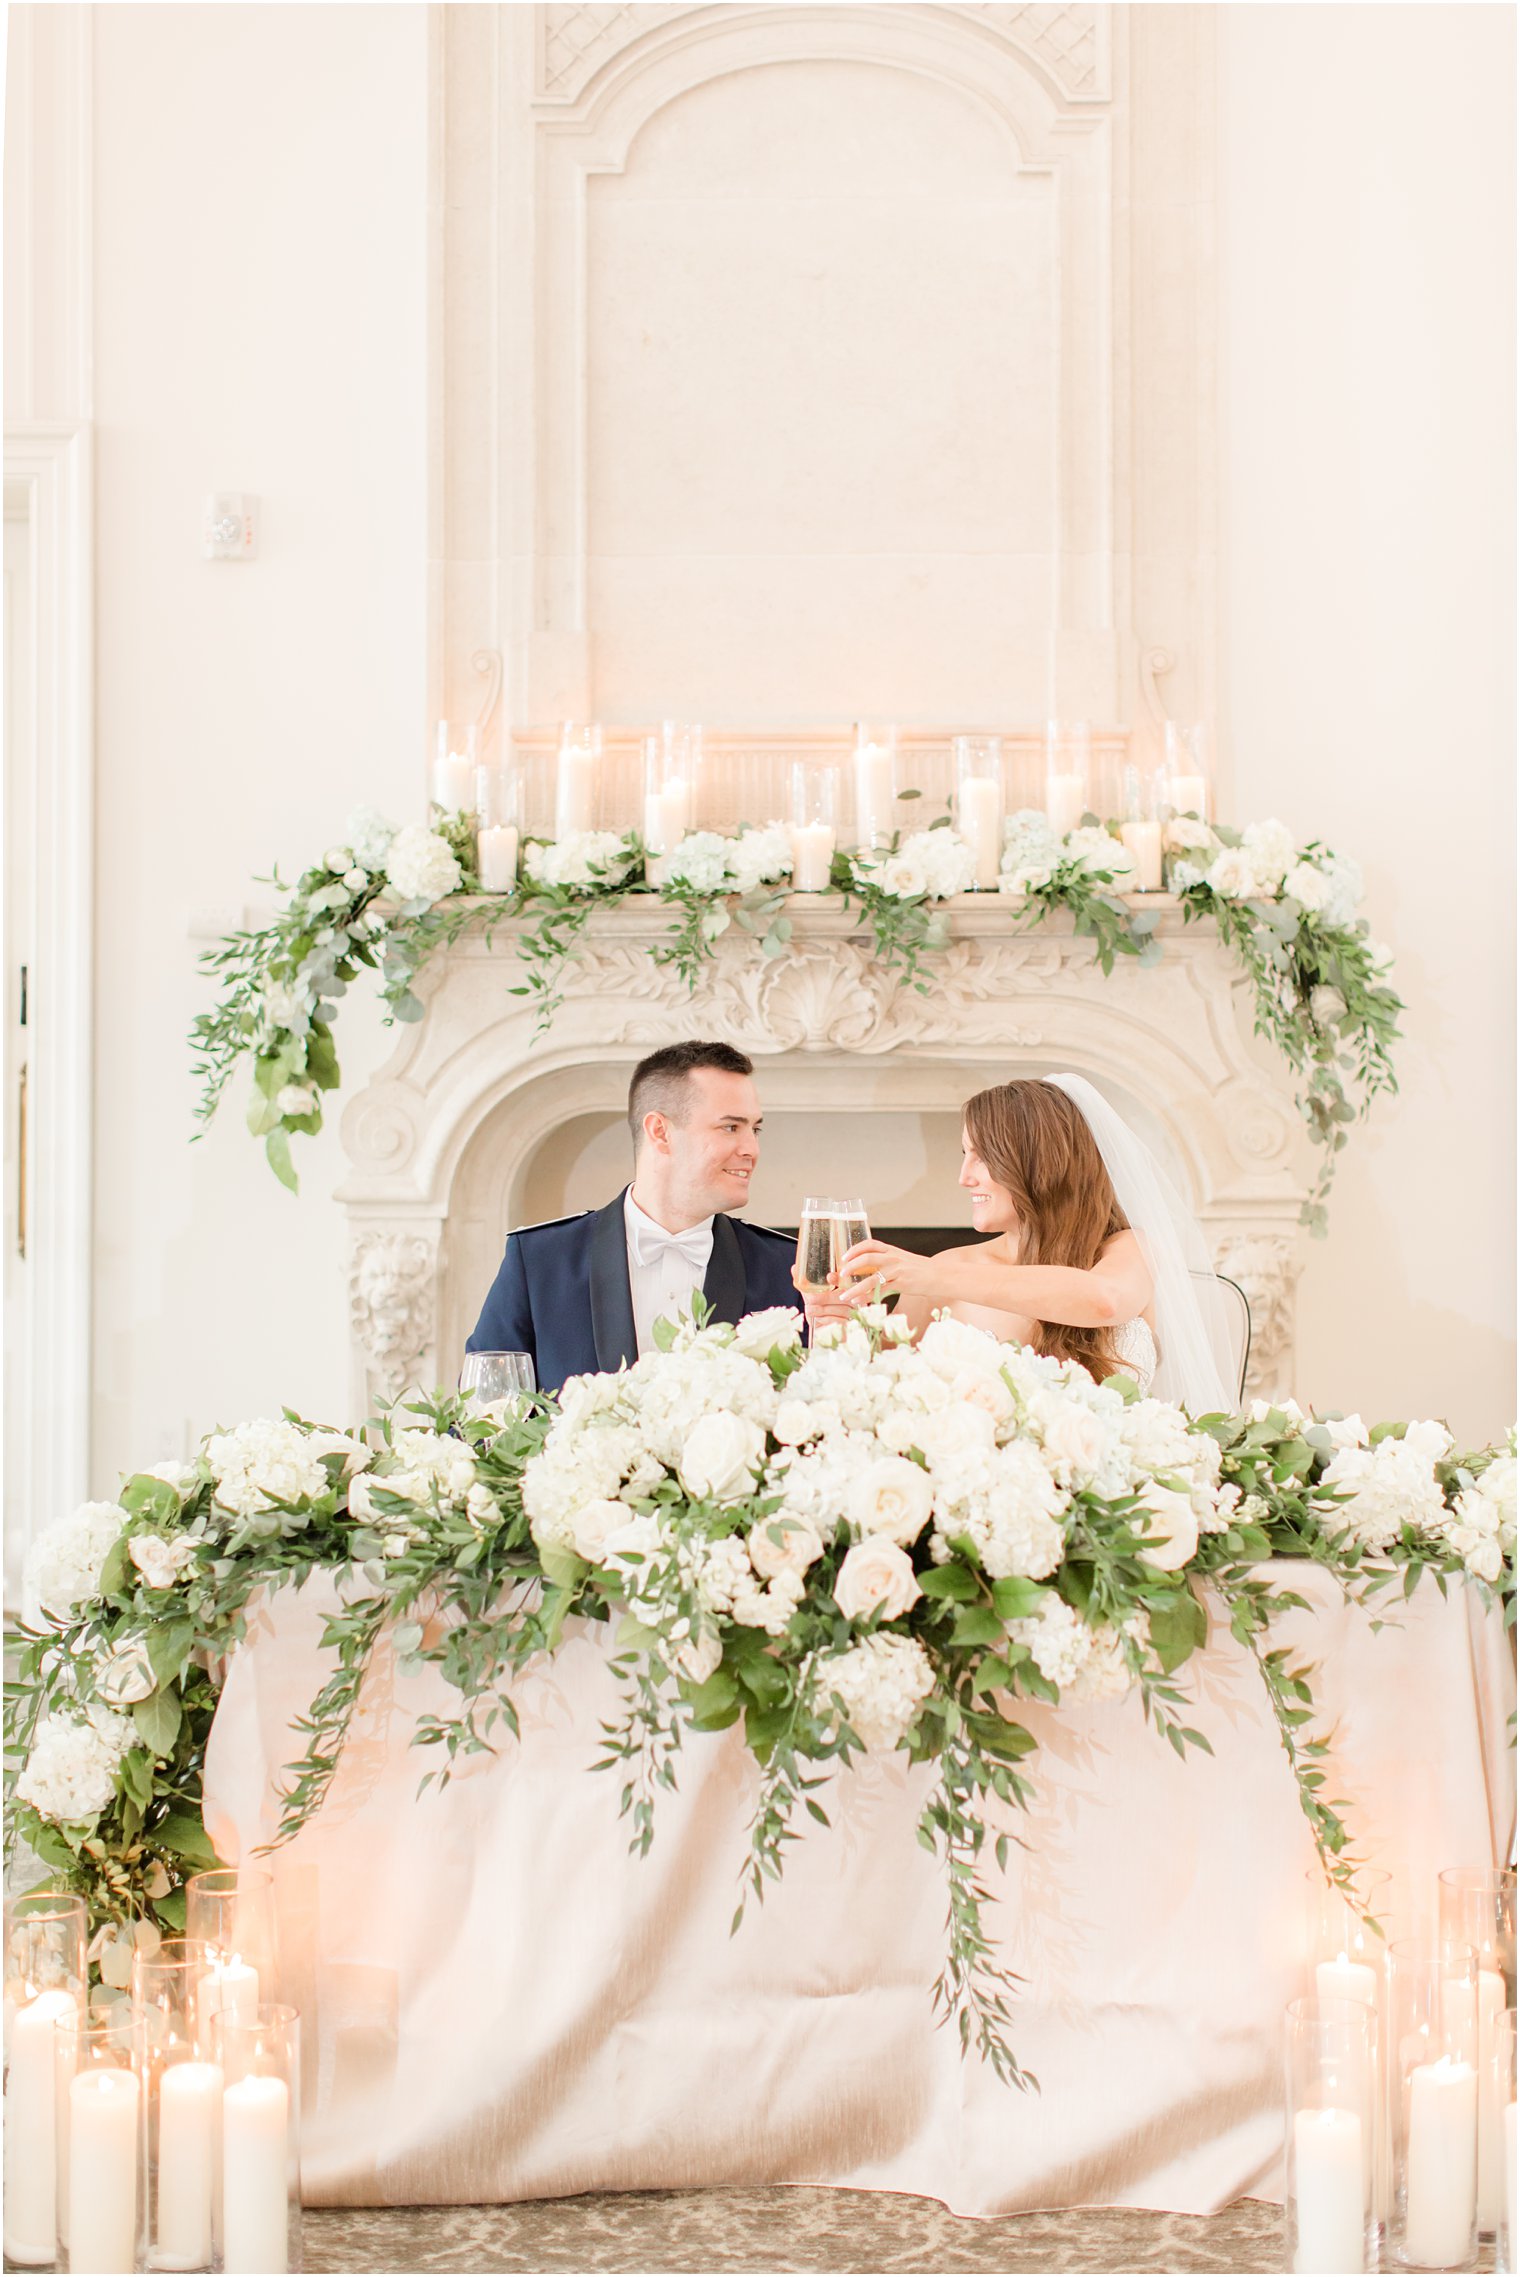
{"x": 562, "y": 1290}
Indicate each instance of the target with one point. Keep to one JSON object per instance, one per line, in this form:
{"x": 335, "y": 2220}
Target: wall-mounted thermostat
{"x": 229, "y": 526}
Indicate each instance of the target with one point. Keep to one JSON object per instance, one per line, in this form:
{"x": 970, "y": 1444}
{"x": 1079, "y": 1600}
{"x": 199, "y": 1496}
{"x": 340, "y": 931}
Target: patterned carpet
{"x": 783, "y": 2230}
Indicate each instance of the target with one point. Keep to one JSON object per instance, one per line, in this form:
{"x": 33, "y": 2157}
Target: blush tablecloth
{"x": 501, "y": 2003}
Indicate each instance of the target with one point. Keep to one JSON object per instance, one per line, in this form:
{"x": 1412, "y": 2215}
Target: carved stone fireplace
{"x": 478, "y": 1124}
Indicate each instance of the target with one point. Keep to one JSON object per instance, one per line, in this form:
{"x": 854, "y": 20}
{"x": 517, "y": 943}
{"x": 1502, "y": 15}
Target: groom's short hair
{"x": 659, "y": 1082}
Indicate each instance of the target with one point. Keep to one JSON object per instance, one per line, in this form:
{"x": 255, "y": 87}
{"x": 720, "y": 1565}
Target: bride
{"x": 1094, "y": 1251}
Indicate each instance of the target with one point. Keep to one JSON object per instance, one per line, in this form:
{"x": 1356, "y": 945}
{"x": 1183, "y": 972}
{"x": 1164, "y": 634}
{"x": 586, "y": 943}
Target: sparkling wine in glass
{"x": 829, "y": 1225}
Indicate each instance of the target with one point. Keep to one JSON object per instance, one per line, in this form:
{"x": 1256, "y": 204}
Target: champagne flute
{"x": 487, "y": 1377}
{"x": 829, "y": 1225}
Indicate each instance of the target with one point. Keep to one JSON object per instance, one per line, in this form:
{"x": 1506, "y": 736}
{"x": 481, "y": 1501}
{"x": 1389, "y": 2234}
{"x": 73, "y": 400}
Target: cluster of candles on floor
{"x": 156, "y": 2127}
{"x": 861, "y": 804}
{"x": 1400, "y": 2074}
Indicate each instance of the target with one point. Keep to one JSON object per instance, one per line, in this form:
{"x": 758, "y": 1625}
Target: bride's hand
{"x": 884, "y": 1272}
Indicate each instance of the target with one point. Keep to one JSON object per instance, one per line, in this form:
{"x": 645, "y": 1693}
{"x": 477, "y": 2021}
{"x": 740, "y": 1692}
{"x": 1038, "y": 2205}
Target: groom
{"x": 582, "y": 1294}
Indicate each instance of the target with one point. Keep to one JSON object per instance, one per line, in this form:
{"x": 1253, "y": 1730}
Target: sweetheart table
{"x": 502, "y": 2004}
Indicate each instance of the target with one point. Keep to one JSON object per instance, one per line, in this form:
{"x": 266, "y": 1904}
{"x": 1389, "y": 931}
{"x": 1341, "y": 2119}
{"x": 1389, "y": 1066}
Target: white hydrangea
{"x": 1094, "y": 850}
{"x": 1254, "y": 870}
{"x": 420, "y": 867}
{"x": 1057, "y": 1640}
{"x": 881, "y": 1683}
{"x": 576, "y": 1465}
{"x": 265, "y": 1466}
{"x": 63, "y": 1565}
{"x": 369, "y": 837}
{"x": 759, "y": 857}
{"x": 1031, "y": 852}
{"x": 1006, "y": 1504}
{"x": 585, "y": 858}
{"x": 700, "y": 862}
{"x": 421, "y": 1465}
{"x": 1388, "y": 1486}
{"x": 181, "y": 1476}
{"x": 71, "y": 1770}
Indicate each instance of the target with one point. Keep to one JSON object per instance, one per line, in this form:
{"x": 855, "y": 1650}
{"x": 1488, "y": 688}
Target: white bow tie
{"x": 651, "y": 1243}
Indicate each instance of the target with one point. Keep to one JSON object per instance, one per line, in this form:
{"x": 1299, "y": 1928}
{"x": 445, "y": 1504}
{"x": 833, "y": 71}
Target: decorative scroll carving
{"x": 391, "y": 1305}
{"x": 1265, "y": 1267}
{"x": 578, "y": 39}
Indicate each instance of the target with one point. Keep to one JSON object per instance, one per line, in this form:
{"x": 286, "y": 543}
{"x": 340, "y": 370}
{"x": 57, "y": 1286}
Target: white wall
{"x": 260, "y": 215}
{"x": 1366, "y": 262}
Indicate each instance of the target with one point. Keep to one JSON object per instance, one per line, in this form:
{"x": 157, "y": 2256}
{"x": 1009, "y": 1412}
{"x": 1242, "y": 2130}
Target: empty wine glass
{"x": 489, "y": 1377}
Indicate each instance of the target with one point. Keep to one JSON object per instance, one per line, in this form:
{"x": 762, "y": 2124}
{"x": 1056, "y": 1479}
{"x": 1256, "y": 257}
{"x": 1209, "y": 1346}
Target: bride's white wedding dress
{"x": 1134, "y": 1348}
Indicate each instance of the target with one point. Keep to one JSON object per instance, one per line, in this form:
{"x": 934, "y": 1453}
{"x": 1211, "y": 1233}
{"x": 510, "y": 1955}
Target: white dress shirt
{"x": 664, "y": 1269}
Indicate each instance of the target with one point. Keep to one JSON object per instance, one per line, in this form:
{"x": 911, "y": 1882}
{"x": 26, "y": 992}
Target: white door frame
{"x": 48, "y": 1368}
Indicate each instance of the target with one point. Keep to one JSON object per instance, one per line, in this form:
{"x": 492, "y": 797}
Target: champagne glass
{"x": 829, "y": 1225}
{"x": 487, "y": 1377}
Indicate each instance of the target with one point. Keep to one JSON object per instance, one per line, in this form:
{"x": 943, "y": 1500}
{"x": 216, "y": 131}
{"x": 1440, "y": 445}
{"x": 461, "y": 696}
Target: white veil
{"x": 1192, "y": 1370}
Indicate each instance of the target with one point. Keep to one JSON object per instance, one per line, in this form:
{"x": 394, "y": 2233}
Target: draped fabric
{"x": 501, "y": 2003}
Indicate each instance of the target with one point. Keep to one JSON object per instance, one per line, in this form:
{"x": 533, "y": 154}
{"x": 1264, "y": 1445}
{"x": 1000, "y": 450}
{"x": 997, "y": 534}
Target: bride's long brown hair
{"x": 1037, "y": 1142}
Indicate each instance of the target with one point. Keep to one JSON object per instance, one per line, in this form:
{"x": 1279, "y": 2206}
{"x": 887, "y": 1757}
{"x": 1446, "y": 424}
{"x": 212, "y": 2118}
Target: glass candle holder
{"x": 184, "y": 2101}
{"x": 1478, "y": 1909}
{"x": 1068, "y": 770}
{"x": 260, "y": 2213}
{"x": 1140, "y": 829}
{"x": 498, "y": 825}
{"x": 1432, "y": 2077}
{"x": 101, "y": 2127}
{"x": 231, "y": 1909}
{"x": 1186, "y": 768}
{"x": 875, "y": 778}
{"x": 456, "y": 756}
{"x": 670, "y": 793}
{"x": 815, "y": 825}
{"x": 980, "y": 803}
{"x": 577, "y": 780}
{"x": 46, "y": 1932}
{"x": 1331, "y": 2081}
{"x": 1507, "y": 2243}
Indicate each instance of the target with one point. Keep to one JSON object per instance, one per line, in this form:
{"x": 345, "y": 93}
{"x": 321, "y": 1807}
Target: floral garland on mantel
{"x": 870, "y": 1545}
{"x": 385, "y": 899}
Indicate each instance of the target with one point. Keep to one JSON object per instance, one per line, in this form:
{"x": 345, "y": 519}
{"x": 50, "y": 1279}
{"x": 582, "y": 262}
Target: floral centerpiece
{"x": 867, "y": 1546}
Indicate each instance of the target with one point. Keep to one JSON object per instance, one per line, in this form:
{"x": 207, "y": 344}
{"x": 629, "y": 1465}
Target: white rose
{"x": 761, "y": 1333}
{"x": 1346, "y": 1431}
{"x": 876, "y": 1577}
{"x": 369, "y": 835}
{"x": 126, "y": 1674}
{"x": 1309, "y": 887}
{"x": 159, "y": 1562}
{"x": 593, "y": 1526}
{"x": 904, "y": 880}
{"x": 720, "y": 1458}
{"x": 1327, "y": 1005}
{"x": 356, "y": 880}
{"x": 1171, "y": 1515}
{"x": 892, "y": 1497}
{"x": 784, "y": 1544}
{"x": 700, "y": 1656}
{"x": 1099, "y": 853}
{"x": 798, "y": 1420}
{"x": 297, "y": 1099}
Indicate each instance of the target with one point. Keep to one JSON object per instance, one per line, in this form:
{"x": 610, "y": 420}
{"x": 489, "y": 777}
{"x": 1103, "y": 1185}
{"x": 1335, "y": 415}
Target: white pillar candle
{"x": 875, "y": 794}
{"x": 496, "y": 858}
{"x": 1346, "y": 1980}
{"x": 255, "y": 2151}
{"x": 454, "y": 782}
{"x": 1442, "y": 2176}
{"x": 575, "y": 792}
{"x": 1491, "y": 2006}
{"x": 1189, "y": 794}
{"x": 228, "y": 1988}
{"x": 1144, "y": 842}
{"x": 979, "y": 819}
{"x": 667, "y": 816}
{"x": 31, "y": 2206}
{"x": 812, "y": 856}
{"x": 1331, "y": 2192}
{"x": 189, "y": 2117}
{"x": 103, "y": 2161}
{"x": 1065, "y": 802}
{"x": 1509, "y": 2122}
